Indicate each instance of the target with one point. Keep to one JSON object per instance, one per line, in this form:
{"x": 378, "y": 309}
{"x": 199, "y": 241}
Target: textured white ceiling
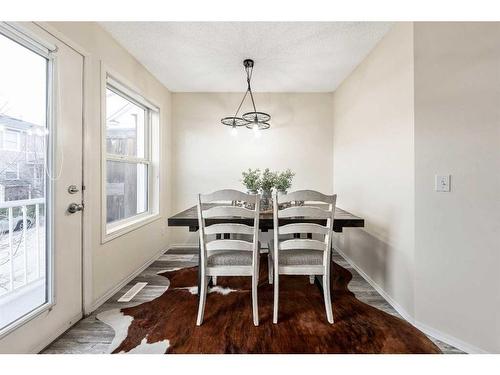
{"x": 289, "y": 56}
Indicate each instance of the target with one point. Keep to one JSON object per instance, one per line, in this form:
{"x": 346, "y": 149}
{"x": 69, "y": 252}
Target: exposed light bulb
{"x": 234, "y": 132}
{"x": 256, "y": 131}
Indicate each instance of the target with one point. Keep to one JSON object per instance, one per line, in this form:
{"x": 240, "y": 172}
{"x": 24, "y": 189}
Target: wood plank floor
{"x": 90, "y": 335}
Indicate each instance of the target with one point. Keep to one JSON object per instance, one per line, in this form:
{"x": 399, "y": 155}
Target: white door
{"x": 40, "y": 157}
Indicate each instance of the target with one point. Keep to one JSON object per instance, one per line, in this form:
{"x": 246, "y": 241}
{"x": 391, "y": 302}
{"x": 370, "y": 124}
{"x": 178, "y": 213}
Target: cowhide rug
{"x": 167, "y": 323}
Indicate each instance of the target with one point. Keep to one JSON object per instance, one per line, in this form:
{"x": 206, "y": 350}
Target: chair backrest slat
{"x": 302, "y": 244}
{"x": 306, "y": 195}
{"x": 303, "y": 228}
{"x": 227, "y": 195}
{"x": 229, "y": 245}
{"x": 228, "y": 211}
{"x": 229, "y": 228}
{"x": 304, "y": 211}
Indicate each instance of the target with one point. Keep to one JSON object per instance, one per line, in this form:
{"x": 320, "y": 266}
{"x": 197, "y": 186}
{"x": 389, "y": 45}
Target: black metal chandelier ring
{"x": 252, "y": 120}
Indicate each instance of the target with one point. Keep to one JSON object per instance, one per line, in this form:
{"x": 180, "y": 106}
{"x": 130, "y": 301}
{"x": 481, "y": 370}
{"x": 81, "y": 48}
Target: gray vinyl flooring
{"x": 90, "y": 335}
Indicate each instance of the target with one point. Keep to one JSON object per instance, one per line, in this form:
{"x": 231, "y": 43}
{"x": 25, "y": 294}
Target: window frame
{"x": 18, "y": 139}
{"x": 121, "y": 87}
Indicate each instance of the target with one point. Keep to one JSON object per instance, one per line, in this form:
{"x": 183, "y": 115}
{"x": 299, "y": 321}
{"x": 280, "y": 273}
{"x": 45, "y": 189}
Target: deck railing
{"x": 22, "y": 243}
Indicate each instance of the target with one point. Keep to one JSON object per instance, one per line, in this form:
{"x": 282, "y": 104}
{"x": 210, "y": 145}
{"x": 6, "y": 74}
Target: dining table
{"x": 189, "y": 219}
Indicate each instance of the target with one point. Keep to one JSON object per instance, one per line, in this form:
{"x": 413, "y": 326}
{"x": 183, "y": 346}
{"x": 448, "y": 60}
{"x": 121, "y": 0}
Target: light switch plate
{"x": 442, "y": 183}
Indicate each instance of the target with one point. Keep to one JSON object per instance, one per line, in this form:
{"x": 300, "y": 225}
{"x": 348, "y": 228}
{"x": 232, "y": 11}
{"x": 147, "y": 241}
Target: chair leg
{"x": 255, "y": 304}
{"x": 311, "y": 279}
{"x": 203, "y": 297}
{"x": 276, "y": 297}
{"x": 270, "y": 268}
{"x": 214, "y": 280}
{"x": 328, "y": 301}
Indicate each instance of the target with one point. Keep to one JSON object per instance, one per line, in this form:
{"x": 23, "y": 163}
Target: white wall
{"x": 111, "y": 263}
{"x": 457, "y": 132}
{"x": 373, "y": 151}
{"x": 207, "y": 157}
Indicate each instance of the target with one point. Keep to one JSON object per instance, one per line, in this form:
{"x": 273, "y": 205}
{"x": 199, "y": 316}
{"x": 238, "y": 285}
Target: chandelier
{"x": 252, "y": 120}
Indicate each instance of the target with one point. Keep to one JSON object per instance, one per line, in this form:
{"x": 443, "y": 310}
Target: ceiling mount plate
{"x": 248, "y": 63}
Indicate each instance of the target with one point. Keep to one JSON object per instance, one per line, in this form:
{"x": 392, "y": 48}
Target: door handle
{"x": 75, "y": 207}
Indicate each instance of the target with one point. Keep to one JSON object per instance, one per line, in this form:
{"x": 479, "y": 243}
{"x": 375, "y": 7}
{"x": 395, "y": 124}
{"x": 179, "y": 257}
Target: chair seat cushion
{"x": 301, "y": 258}
{"x": 229, "y": 258}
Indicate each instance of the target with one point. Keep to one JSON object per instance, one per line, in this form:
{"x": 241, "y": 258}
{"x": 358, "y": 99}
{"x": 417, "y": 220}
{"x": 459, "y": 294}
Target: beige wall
{"x": 373, "y": 151}
{"x": 426, "y": 102}
{"x": 113, "y": 262}
{"x": 208, "y": 158}
{"x": 457, "y": 132}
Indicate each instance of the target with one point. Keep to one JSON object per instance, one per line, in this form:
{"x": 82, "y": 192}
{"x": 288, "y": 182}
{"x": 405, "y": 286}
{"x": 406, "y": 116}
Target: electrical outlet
{"x": 442, "y": 183}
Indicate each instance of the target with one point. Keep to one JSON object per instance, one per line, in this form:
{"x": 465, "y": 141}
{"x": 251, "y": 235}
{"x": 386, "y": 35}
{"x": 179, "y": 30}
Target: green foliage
{"x": 251, "y": 180}
{"x": 283, "y": 180}
{"x": 254, "y": 181}
{"x": 268, "y": 180}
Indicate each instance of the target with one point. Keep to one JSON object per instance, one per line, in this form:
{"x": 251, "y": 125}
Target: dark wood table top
{"x": 189, "y": 218}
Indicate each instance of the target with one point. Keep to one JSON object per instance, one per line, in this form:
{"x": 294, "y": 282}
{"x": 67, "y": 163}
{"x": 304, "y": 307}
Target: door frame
{"x": 87, "y": 274}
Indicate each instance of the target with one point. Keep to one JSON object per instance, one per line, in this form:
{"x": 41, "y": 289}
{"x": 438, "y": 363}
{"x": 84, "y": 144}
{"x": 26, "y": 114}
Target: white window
{"x": 11, "y": 140}
{"x": 131, "y": 159}
{"x": 12, "y": 171}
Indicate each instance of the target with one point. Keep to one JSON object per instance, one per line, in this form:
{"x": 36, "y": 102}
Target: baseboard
{"x": 448, "y": 339}
{"x": 183, "y": 246}
{"x": 55, "y": 335}
{"x": 124, "y": 282}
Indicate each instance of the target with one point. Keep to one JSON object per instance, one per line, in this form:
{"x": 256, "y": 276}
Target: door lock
{"x": 73, "y": 189}
{"x": 75, "y": 207}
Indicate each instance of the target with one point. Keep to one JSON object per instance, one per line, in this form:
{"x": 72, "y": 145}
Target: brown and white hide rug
{"x": 167, "y": 324}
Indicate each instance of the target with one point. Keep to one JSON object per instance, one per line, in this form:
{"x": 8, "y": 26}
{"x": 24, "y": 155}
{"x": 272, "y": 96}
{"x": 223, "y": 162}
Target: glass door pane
{"x": 23, "y": 194}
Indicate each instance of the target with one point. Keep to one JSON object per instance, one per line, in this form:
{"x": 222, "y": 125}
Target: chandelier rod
{"x": 239, "y": 107}
{"x": 249, "y": 89}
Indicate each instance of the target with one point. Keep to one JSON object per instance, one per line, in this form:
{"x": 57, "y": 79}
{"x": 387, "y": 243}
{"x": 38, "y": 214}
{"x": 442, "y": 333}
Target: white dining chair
{"x": 228, "y": 256}
{"x": 298, "y": 256}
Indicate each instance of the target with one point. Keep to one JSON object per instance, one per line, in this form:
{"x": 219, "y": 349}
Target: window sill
{"x": 128, "y": 226}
